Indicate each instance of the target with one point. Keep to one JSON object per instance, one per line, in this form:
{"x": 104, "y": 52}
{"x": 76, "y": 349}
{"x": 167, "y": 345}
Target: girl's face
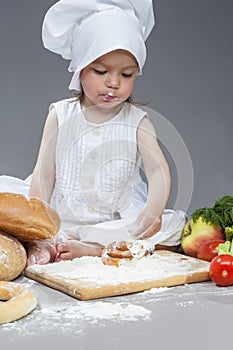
{"x": 109, "y": 80}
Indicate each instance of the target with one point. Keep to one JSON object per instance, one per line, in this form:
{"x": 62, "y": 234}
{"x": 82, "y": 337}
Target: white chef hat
{"x": 83, "y": 30}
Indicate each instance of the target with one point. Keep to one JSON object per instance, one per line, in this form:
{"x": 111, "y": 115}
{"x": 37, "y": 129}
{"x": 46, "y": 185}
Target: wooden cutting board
{"x": 86, "y": 289}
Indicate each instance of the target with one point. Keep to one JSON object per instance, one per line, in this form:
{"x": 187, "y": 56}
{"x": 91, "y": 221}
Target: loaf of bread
{"x": 13, "y": 257}
{"x": 27, "y": 219}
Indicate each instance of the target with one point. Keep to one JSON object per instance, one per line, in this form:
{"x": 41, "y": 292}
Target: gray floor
{"x": 195, "y": 316}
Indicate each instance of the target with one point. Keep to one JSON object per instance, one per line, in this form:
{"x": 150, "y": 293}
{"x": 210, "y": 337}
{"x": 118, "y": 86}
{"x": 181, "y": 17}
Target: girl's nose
{"x": 113, "y": 82}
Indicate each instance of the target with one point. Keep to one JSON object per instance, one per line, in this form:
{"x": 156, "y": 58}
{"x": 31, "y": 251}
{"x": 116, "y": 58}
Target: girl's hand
{"x": 146, "y": 225}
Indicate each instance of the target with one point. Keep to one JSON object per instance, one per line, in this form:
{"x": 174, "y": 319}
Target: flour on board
{"x": 148, "y": 268}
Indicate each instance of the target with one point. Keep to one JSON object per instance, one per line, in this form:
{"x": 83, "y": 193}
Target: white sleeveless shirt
{"x": 97, "y": 167}
{"x": 99, "y": 190}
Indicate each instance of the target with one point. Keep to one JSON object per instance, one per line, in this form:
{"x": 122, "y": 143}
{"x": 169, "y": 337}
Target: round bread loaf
{"x": 27, "y": 219}
{"x": 13, "y": 257}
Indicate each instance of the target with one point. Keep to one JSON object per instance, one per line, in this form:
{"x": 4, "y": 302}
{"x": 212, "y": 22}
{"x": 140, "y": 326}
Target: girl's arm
{"x": 158, "y": 176}
{"x": 41, "y": 187}
{"x": 43, "y": 177}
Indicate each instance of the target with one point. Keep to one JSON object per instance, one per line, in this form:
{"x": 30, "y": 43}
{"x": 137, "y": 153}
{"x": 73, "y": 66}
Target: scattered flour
{"x": 73, "y": 318}
{"x": 185, "y": 303}
{"x": 109, "y": 311}
{"x": 156, "y": 290}
{"x": 97, "y": 311}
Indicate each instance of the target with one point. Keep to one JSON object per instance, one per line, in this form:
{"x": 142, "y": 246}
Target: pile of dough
{"x": 27, "y": 219}
{"x": 117, "y": 254}
{"x": 13, "y": 257}
{"x": 19, "y": 301}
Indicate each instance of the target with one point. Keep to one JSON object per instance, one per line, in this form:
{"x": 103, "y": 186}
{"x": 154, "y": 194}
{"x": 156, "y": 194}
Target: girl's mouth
{"x": 110, "y": 97}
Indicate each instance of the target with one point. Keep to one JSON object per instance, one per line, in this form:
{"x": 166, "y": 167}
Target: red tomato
{"x": 207, "y": 251}
{"x": 221, "y": 270}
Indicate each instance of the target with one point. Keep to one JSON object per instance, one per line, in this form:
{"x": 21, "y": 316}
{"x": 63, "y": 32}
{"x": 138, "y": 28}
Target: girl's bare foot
{"x": 41, "y": 253}
{"x": 71, "y": 249}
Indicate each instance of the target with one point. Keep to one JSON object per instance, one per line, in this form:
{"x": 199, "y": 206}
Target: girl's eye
{"x": 125, "y": 75}
{"x": 100, "y": 72}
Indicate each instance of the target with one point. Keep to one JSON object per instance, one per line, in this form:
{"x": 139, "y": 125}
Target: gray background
{"x": 187, "y": 79}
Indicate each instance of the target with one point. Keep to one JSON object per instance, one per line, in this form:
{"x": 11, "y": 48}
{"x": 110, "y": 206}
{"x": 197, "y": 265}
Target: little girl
{"x": 93, "y": 146}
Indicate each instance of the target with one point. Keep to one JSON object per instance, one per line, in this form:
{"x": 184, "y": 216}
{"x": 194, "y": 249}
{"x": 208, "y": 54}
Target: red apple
{"x": 208, "y": 250}
{"x": 195, "y": 234}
